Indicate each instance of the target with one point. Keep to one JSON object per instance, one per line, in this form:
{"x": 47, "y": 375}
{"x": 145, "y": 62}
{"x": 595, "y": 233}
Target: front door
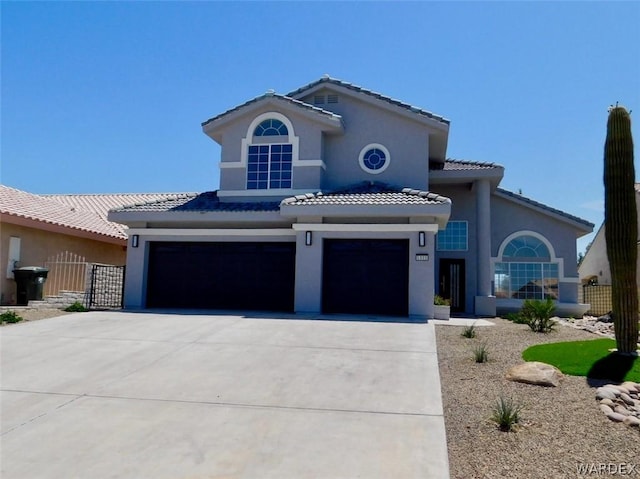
{"x": 452, "y": 281}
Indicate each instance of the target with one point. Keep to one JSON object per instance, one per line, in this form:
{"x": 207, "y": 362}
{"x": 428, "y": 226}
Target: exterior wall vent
{"x": 318, "y": 100}
{"x": 332, "y": 99}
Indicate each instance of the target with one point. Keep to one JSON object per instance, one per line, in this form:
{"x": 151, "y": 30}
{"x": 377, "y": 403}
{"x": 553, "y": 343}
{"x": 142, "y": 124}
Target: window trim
{"x": 371, "y": 146}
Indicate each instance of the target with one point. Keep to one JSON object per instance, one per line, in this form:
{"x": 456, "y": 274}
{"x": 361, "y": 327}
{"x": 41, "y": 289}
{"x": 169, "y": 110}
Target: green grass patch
{"x": 587, "y": 358}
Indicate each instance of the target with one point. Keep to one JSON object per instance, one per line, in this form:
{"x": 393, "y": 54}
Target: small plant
{"x": 10, "y": 317}
{"x": 538, "y": 314}
{"x": 469, "y": 331}
{"x": 440, "y": 301}
{"x": 76, "y": 307}
{"x": 506, "y": 413}
{"x": 481, "y": 353}
{"x": 516, "y": 318}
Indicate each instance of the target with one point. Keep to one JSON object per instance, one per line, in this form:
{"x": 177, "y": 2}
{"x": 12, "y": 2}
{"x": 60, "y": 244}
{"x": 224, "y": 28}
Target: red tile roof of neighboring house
{"x": 82, "y": 213}
{"x": 20, "y": 204}
{"x": 102, "y": 203}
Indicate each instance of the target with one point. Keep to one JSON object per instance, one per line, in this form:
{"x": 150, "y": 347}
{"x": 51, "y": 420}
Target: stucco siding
{"x": 463, "y": 208}
{"x": 407, "y": 142}
{"x": 36, "y": 246}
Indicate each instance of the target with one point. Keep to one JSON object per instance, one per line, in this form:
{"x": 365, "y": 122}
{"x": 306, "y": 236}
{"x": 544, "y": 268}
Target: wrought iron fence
{"x": 106, "y": 286}
{"x": 67, "y": 272}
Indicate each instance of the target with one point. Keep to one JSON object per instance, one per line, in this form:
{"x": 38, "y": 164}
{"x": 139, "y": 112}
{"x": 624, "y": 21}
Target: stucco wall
{"x": 463, "y": 208}
{"x": 36, "y": 246}
{"x": 407, "y": 142}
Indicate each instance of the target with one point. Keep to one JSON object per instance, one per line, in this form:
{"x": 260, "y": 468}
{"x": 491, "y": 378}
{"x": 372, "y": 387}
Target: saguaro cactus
{"x": 621, "y": 230}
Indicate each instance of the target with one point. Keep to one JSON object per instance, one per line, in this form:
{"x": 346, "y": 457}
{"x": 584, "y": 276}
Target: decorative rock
{"x": 606, "y": 409}
{"x": 622, "y": 410}
{"x": 626, "y": 398}
{"x": 606, "y": 393}
{"x": 540, "y": 374}
{"x": 631, "y": 421}
{"x": 614, "y": 416}
{"x": 620, "y": 403}
{"x": 621, "y": 388}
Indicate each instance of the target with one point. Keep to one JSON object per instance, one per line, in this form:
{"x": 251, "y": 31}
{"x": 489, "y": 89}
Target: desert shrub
{"x": 481, "y": 353}
{"x": 10, "y": 317}
{"x": 506, "y": 413}
{"x": 516, "y": 318}
{"x": 76, "y": 307}
{"x": 469, "y": 331}
{"x": 537, "y": 314}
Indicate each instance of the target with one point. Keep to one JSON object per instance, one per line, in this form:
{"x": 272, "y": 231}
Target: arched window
{"x": 526, "y": 268}
{"x": 269, "y": 154}
{"x": 271, "y": 127}
{"x": 526, "y": 246}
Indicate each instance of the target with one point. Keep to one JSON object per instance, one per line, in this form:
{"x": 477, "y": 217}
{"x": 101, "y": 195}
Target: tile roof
{"x": 529, "y": 201}
{"x": 207, "y": 201}
{"x": 359, "y": 89}
{"x": 462, "y": 165}
{"x": 286, "y": 98}
{"x": 20, "y": 204}
{"x": 368, "y": 194}
{"x": 102, "y": 203}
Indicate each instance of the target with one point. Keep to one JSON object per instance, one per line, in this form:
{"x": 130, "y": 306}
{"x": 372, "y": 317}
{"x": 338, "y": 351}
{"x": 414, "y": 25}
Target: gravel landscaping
{"x": 33, "y": 314}
{"x": 562, "y": 432}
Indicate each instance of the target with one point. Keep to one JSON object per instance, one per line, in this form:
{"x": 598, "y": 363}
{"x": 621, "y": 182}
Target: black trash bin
{"x": 30, "y": 282}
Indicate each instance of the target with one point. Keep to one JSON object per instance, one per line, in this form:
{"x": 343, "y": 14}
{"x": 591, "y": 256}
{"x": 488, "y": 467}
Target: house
{"x": 594, "y": 267}
{"x": 60, "y": 232}
{"x": 594, "y": 271}
{"x": 337, "y": 199}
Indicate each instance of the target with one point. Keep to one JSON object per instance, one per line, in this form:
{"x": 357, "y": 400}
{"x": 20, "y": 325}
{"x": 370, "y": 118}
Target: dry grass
{"x": 560, "y": 427}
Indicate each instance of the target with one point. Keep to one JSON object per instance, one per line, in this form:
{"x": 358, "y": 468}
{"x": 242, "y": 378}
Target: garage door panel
{"x": 366, "y": 277}
{"x": 254, "y": 276}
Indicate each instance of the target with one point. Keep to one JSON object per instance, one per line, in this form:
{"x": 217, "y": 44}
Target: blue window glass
{"x": 271, "y": 127}
{"x": 526, "y": 280}
{"x": 269, "y": 166}
{"x": 454, "y": 237}
{"x": 374, "y": 159}
{"x": 526, "y": 246}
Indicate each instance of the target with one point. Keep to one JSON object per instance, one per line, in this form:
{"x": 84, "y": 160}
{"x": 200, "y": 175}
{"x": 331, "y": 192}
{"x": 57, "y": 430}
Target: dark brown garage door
{"x": 252, "y": 276}
{"x": 366, "y": 277}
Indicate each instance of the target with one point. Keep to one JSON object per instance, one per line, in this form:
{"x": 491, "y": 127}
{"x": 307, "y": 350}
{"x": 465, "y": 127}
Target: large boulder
{"x": 540, "y": 374}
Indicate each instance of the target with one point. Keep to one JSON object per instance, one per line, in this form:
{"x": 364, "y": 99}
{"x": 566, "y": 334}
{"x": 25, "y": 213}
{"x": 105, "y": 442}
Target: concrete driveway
{"x": 160, "y": 395}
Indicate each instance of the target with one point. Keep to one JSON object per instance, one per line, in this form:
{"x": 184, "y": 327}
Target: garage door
{"x": 252, "y": 276}
{"x": 366, "y": 277}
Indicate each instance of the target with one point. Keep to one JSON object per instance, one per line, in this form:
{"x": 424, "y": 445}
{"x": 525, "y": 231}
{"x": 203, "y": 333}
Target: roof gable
{"x": 330, "y": 120}
{"x": 582, "y": 225}
{"x": 333, "y": 83}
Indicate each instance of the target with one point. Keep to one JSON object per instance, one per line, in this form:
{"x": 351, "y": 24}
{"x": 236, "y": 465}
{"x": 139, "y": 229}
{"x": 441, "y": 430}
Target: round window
{"x": 374, "y": 158}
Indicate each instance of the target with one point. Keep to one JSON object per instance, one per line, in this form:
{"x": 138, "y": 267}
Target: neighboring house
{"x": 594, "y": 268}
{"x": 337, "y": 199}
{"x": 69, "y": 230}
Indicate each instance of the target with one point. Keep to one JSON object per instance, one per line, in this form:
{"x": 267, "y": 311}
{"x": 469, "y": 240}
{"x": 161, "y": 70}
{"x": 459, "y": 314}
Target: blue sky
{"x": 109, "y": 96}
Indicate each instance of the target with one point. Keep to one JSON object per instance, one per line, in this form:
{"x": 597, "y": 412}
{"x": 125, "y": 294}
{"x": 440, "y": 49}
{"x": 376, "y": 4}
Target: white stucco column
{"x": 485, "y": 304}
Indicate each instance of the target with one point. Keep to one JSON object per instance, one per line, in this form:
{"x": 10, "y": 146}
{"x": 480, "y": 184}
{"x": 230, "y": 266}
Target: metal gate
{"x": 106, "y": 287}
